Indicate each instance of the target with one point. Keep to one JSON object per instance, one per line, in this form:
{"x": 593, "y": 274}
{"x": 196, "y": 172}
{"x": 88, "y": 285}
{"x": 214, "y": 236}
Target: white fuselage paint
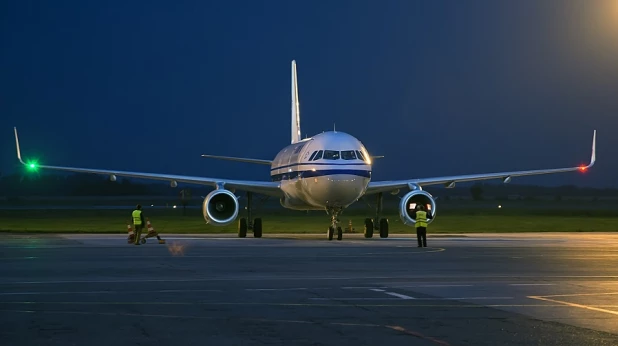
{"x": 309, "y": 183}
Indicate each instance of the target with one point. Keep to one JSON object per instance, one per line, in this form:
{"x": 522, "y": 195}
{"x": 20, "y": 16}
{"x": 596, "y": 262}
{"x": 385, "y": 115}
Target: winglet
{"x": 17, "y": 145}
{"x": 593, "y": 158}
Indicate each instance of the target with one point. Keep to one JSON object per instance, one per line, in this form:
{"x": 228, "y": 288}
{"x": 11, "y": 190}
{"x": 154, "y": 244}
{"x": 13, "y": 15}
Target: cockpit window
{"x": 348, "y": 155}
{"x": 318, "y": 155}
{"x": 360, "y": 155}
{"x": 331, "y": 155}
{"x": 312, "y": 155}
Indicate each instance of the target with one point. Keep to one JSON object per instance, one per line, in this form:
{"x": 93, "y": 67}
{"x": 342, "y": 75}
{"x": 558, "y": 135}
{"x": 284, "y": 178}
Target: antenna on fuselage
{"x": 334, "y": 128}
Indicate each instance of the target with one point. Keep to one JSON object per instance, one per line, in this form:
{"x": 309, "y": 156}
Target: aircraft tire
{"x": 242, "y": 228}
{"x": 339, "y": 233}
{"x": 368, "y": 228}
{"x": 331, "y": 232}
{"x": 383, "y": 228}
{"x": 257, "y": 228}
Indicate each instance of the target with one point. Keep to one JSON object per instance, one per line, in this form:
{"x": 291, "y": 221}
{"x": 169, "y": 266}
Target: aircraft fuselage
{"x": 329, "y": 170}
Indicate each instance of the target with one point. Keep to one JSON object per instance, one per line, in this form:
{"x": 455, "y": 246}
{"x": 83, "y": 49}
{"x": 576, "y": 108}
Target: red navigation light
{"x": 583, "y": 168}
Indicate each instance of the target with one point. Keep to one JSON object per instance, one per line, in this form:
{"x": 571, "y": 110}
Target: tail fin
{"x": 295, "y": 106}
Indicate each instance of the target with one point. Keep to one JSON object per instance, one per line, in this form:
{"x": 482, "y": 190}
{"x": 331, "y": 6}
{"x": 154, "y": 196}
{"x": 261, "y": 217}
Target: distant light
{"x": 499, "y": 206}
{"x": 174, "y": 207}
{"x": 152, "y": 205}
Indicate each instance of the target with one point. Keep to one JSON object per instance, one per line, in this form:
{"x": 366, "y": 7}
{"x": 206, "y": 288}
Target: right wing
{"x": 263, "y": 187}
{"x": 450, "y": 181}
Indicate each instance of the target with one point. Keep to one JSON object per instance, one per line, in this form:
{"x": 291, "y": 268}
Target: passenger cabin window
{"x": 331, "y": 155}
{"x": 348, "y": 155}
{"x": 318, "y": 155}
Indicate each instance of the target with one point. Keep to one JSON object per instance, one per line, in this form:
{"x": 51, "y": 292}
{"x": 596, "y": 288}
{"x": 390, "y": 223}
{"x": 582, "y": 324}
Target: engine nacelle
{"x": 408, "y": 204}
{"x": 220, "y": 207}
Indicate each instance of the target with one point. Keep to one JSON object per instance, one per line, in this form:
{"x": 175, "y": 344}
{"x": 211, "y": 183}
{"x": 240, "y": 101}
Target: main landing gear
{"x": 248, "y": 223}
{"x": 334, "y": 223}
{"x": 381, "y": 225}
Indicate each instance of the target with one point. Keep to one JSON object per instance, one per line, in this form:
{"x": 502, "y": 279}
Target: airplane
{"x": 328, "y": 171}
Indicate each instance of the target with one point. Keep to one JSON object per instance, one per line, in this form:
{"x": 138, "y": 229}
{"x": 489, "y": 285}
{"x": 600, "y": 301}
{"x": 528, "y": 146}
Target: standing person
{"x": 421, "y": 217}
{"x": 138, "y": 222}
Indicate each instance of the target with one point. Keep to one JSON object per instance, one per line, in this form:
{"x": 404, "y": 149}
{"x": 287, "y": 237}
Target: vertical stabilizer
{"x": 295, "y": 106}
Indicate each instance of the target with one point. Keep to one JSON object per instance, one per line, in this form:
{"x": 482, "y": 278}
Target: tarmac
{"x": 490, "y": 289}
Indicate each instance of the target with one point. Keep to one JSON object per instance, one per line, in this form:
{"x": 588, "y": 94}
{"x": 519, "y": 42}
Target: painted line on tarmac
{"x": 418, "y": 335}
{"x": 362, "y": 288}
{"x": 575, "y": 305}
{"x": 398, "y": 295}
{"x": 412, "y": 298}
{"x": 532, "y": 284}
{"x": 579, "y": 295}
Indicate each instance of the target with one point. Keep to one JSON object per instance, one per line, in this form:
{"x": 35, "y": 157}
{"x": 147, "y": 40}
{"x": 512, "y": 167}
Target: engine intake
{"x": 220, "y": 207}
{"x": 408, "y": 204}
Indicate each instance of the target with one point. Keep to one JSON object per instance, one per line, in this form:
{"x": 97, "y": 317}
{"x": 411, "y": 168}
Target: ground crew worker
{"x": 138, "y": 222}
{"x": 421, "y": 217}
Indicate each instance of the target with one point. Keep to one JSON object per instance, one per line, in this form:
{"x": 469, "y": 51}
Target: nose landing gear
{"x": 334, "y": 223}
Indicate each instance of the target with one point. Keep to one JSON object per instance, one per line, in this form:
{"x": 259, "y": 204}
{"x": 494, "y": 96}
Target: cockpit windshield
{"x": 360, "y": 155}
{"x": 348, "y": 155}
{"x": 337, "y": 155}
{"x": 331, "y": 155}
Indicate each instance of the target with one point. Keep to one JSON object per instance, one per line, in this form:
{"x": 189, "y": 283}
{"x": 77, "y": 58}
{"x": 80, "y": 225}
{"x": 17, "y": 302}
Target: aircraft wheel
{"x": 331, "y": 232}
{"x": 242, "y": 228}
{"x": 368, "y": 228}
{"x": 339, "y": 233}
{"x": 257, "y": 228}
{"x": 383, "y": 228}
{"x": 143, "y": 241}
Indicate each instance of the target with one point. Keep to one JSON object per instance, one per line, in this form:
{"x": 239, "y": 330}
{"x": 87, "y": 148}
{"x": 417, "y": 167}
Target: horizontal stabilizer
{"x": 239, "y": 159}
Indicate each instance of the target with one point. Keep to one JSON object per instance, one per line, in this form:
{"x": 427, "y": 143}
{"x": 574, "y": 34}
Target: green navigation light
{"x": 32, "y": 166}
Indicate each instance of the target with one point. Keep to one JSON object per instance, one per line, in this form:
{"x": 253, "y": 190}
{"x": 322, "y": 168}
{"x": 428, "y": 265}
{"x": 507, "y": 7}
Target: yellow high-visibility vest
{"x": 137, "y": 217}
{"x": 421, "y": 219}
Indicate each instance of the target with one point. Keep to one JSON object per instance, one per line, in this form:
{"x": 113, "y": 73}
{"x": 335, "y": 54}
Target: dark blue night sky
{"x": 438, "y": 87}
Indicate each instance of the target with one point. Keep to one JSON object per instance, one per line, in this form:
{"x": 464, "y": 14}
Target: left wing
{"x": 384, "y": 186}
{"x": 239, "y": 159}
{"x": 262, "y": 187}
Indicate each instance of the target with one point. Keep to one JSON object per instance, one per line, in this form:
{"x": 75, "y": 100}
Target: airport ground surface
{"x": 490, "y": 289}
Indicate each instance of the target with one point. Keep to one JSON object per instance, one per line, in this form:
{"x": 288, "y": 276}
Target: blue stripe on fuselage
{"x": 319, "y": 173}
{"x": 321, "y": 164}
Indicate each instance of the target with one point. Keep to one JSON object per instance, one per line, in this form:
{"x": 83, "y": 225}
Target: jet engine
{"x": 408, "y": 204}
{"x": 220, "y": 207}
